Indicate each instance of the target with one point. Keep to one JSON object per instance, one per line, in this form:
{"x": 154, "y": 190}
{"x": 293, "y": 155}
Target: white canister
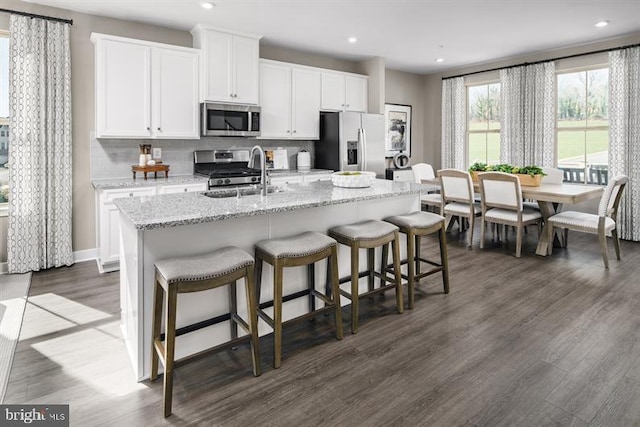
{"x": 304, "y": 160}
{"x": 142, "y": 161}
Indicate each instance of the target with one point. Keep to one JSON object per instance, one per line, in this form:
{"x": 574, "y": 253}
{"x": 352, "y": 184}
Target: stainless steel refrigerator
{"x": 351, "y": 142}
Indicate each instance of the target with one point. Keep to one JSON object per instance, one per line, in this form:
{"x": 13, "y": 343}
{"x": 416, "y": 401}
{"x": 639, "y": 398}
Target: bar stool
{"x": 300, "y": 250}
{"x": 415, "y": 225}
{"x": 194, "y": 274}
{"x": 369, "y": 235}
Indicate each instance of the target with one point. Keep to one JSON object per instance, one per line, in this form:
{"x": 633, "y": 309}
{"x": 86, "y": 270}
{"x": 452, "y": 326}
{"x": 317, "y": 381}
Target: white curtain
{"x": 528, "y": 115}
{"x": 624, "y": 134}
{"x": 39, "y": 233}
{"x": 454, "y": 123}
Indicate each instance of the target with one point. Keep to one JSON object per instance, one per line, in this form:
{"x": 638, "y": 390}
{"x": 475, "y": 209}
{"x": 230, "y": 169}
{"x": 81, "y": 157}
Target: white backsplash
{"x": 112, "y": 158}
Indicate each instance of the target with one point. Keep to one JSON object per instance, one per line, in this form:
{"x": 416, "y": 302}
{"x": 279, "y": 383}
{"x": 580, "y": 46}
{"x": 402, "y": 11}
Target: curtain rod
{"x": 543, "y": 61}
{"x": 33, "y": 15}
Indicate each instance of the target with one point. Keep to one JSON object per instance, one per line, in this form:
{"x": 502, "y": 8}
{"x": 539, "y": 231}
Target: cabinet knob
{"x": 294, "y": 131}
{"x": 342, "y": 105}
{"x": 149, "y": 128}
{"x": 185, "y": 190}
{"x": 130, "y": 194}
{"x": 347, "y": 105}
{"x": 288, "y": 131}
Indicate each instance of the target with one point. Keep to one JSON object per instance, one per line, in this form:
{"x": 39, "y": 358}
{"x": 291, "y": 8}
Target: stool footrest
{"x": 240, "y": 321}
{"x": 285, "y": 298}
{"x": 322, "y": 297}
{"x": 348, "y": 278}
{"x": 266, "y": 318}
{"x": 384, "y": 288}
{"x": 304, "y": 316}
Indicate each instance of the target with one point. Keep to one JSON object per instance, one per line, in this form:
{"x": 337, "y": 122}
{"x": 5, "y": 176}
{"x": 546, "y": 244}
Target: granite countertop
{"x": 104, "y": 184}
{"x": 171, "y": 210}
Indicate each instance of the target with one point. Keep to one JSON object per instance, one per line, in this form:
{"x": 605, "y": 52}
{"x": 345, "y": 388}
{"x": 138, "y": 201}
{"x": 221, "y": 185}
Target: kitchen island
{"x": 174, "y": 225}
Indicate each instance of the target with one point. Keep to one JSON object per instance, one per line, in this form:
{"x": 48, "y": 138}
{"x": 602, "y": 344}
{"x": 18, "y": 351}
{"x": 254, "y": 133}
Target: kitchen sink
{"x": 240, "y": 192}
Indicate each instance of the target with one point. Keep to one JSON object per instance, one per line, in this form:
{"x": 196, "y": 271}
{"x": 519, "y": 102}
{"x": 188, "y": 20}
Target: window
{"x": 583, "y": 125}
{"x": 4, "y": 119}
{"x": 483, "y": 126}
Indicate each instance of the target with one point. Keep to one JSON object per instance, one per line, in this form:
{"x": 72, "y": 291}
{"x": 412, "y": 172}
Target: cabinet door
{"x": 333, "y": 91}
{"x": 123, "y": 90}
{"x": 182, "y": 188}
{"x": 109, "y": 225}
{"x": 356, "y": 94}
{"x": 175, "y": 94}
{"x": 218, "y": 67}
{"x": 305, "y": 105}
{"x": 246, "y": 70}
{"x": 275, "y": 101}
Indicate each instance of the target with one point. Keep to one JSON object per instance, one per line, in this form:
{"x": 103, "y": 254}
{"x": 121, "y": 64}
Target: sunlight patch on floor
{"x": 90, "y": 356}
{"x": 49, "y": 313}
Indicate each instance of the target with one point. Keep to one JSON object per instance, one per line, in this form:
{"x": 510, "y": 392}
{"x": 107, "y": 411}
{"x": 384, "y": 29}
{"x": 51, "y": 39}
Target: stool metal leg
{"x": 355, "y": 268}
{"x": 258, "y": 278}
{"x": 253, "y": 321}
{"x": 335, "y": 284}
{"x": 411, "y": 265}
{"x": 398, "y": 273}
{"x": 384, "y": 262}
{"x": 156, "y": 322}
{"x": 277, "y": 314}
{"x": 311, "y": 285}
{"x": 170, "y": 344}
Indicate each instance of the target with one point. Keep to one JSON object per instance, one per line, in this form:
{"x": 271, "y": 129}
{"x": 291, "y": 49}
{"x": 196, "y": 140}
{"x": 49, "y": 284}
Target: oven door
{"x": 230, "y": 119}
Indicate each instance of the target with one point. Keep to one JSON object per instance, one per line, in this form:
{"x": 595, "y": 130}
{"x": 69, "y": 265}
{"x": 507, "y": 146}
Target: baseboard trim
{"x": 78, "y": 256}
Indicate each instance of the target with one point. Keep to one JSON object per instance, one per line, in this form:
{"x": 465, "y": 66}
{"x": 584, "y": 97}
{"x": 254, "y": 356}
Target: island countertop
{"x": 171, "y": 210}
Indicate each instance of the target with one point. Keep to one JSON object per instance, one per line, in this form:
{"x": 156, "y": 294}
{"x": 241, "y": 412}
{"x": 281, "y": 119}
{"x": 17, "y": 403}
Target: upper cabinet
{"x": 230, "y": 65}
{"x": 290, "y": 101}
{"x": 136, "y": 90}
{"x": 344, "y": 92}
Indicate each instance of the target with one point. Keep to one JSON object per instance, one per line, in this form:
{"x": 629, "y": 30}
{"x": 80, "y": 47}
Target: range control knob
{"x": 227, "y": 181}
{"x": 220, "y": 181}
{"x": 254, "y": 179}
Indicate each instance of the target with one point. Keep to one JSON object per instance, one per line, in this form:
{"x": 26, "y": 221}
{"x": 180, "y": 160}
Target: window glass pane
{"x": 598, "y": 98}
{"x": 597, "y": 142}
{"x": 478, "y": 107}
{"x": 572, "y": 155}
{"x": 477, "y": 148}
{"x": 493, "y": 148}
{"x": 571, "y": 100}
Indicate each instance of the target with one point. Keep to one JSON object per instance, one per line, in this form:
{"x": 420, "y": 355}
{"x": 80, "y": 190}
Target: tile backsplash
{"x": 112, "y": 158}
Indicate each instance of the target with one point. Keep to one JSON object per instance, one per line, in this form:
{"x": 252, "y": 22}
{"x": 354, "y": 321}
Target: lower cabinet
{"x": 108, "y": 218}
{"x": 182, "y": 188}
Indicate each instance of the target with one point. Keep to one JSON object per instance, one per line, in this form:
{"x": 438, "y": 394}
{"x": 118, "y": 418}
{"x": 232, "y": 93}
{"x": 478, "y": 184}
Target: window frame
{"x": 468, "y": 132}
{"x": 586, "y": 128}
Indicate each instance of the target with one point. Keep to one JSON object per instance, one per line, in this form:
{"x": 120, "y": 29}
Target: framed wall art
{"x": 397, "y": 129}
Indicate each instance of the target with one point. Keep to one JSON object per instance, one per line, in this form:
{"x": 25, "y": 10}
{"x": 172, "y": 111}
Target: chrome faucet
{"x": 263, "y": 167}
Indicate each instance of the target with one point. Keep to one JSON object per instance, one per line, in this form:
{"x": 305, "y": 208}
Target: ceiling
{"x": 409, "y": 34}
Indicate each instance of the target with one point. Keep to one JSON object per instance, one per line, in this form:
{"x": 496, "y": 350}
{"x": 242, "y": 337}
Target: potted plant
{"x": 475, "y": 168}
{"x": 528, "y": 175}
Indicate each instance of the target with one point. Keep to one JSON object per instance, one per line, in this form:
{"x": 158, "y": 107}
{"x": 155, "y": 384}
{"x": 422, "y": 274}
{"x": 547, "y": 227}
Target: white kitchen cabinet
{"x": 108, "y": 224}
{"x": 290, "y": 101}
{"x": 317, "y": 177}
{"x": 229, "y": 70}
{"x": 183, "y": 188}
{"x": 137, "y": 94}
{"x": 286, "y": 179}
{"x": 344, "y": 92}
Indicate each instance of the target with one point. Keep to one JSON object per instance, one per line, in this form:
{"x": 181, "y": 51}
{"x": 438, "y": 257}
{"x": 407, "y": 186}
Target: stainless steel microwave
{"x": 229, "y": 119}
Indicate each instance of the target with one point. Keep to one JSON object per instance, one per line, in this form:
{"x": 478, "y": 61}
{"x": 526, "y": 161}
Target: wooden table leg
{"x": 547, "y": 209}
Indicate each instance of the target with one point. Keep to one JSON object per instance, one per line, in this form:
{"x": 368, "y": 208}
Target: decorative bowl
{"x": 347, "y": 179}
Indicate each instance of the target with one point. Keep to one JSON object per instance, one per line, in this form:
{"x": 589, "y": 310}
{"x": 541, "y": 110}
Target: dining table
{"x": 551, "y": 198}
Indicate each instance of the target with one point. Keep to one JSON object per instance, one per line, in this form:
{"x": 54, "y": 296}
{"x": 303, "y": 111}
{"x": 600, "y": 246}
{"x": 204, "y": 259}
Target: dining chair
{"x": 603, "y": 223}
{"x": 501, "y": 203}
{"x": 432, "y": 200}
{"x": 457, "y": 199}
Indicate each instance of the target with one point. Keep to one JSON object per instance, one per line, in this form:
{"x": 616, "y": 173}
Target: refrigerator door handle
{"x": 362, "y": 142}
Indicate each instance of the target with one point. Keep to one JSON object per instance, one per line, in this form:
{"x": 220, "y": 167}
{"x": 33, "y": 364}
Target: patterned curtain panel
{"x": 454, "y": 123}
{"x": 624, "y": 134}
{"x": 39, "y": 234}
{"x": 528, "y": 115}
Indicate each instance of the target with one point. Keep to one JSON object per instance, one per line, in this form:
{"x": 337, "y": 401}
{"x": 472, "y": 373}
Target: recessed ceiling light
{"x": 352, "y": 39}
{"x": 206, "y": 5}
{"x": 601, "y": 24}
{"x": 439, "y": 59}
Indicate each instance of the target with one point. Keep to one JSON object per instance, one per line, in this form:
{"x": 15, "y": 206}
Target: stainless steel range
{"x": 225, "y": 167}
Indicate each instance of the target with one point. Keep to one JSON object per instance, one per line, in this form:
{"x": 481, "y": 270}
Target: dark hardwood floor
{"x": 529, "y": 342}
